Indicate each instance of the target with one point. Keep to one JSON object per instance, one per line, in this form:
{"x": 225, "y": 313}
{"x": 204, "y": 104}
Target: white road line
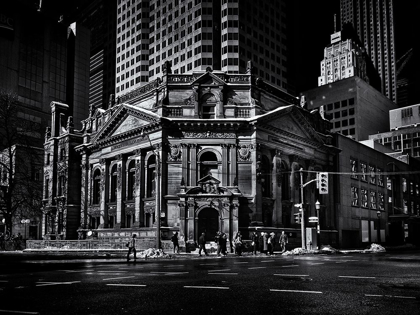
{"x": 18, "y": 312}
{"x": 219, "y": 270}
{"x": 287, "y": 266}
{"x": 223, "y": 273}
{"x": 267, "y": 260}
{"x": 391, "y": 296}
{"x": 43, "y": 284}
{"x": 404, "y": 297}
{"x": 204, "y": 287}
{"x": 126, "y": 285}
{"x": 240, "y": 262}
{"x": 313, "y": 264}
{"x": 288, "y": 275}
{"x": 357, "y": 277}
{"x": 111, "y": 271}
{"x": 296, "y": 291}
{"x": 118, "y": 278}
{"x": 257, "y": 267}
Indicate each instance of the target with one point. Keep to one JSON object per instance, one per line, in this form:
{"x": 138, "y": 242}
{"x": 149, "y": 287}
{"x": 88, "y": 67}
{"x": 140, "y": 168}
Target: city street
{"x": 385, "y": 283}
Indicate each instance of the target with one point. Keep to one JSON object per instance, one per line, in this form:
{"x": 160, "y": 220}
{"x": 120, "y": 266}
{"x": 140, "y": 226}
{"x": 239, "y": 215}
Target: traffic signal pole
{"x": 302, "y": 221}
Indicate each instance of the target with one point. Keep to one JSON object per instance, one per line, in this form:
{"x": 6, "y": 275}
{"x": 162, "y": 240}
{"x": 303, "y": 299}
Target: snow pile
{"x": 328, "y": 249}
{"x": 298, "y": 251}
{"x": 151, "y": 253}
{"x": 375, "y": 248}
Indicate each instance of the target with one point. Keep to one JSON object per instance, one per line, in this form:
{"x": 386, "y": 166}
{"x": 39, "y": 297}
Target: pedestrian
{"x": 238, "y": 244}
{"x": 175, "y": 242}
{"x": 202, "y": 244}
{"x": 132, "y": 247}
{"x": 265, "y": 244}
{"x": 283, "y": 241}
{"x": 270, "y": 243}
{"x": 254, "y": 243}
{"x": 261, "y": 242}
{"x": 223, "y": 242}
{"x": 217, "y": 239}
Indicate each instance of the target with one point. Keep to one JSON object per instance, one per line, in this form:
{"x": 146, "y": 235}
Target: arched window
{"x": 131, "y": 180}
{"x": 208, "y": 164}
{"x": 151, "y": 177}
{"x": 113, "y": 191}
{"x": 96, "y": 197}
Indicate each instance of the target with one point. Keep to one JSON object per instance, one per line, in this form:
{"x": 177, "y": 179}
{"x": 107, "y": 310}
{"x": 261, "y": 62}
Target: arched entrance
{"x": 208, "y": 222}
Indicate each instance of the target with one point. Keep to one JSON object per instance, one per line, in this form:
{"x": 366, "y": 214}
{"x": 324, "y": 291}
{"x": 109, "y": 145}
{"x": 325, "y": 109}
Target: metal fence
{"x": 99, "y": 244}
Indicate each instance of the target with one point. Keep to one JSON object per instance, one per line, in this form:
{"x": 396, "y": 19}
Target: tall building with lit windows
{"x": 196, "y": 34}
{"x": 373, "y": 22}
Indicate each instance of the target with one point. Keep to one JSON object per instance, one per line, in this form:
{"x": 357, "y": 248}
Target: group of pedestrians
{"x": 265, "y": 242}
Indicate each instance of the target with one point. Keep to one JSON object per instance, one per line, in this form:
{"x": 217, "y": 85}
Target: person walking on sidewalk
{"x": 132, "y": 247}
{"x": 202, "y": 244}
{"x": 223, "y": 242}
{"x": 254, "y": 243}
{"x": 174, "y": 240}
{"x": 283, "y": 241}
{"x": 238, "y": 244}
{"x": 217, "y": 240}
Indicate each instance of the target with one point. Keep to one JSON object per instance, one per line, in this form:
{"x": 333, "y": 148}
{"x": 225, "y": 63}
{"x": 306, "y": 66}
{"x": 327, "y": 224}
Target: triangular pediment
{"x": 126, "y": 120}
{"x": 209, "y": 179}
{"x": 208, "y": 78}
{"x": 290, "y": 122}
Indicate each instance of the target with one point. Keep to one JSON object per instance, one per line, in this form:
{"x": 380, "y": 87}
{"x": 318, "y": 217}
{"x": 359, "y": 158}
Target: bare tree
{"x": 20, "y": 164}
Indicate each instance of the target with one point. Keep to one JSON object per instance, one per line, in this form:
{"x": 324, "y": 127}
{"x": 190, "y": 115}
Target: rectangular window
{"x": 380, "y": 177}
{"x": 364, "y": 199}
{"x": 372, "y": 175}
{"x": 353, "y": 164}
{"x": 363, "y": 169}
{"x": 354, "y": 196}
{"x": 381, "y": 201}
{"x": 373, "y": 200}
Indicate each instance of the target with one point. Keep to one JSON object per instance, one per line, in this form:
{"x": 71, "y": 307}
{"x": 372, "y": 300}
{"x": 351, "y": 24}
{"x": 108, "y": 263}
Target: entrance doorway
{"x": 208, "y": 222}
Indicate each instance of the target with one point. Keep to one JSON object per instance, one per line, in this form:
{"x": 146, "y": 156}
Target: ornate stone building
{"x": 205, "y": 151}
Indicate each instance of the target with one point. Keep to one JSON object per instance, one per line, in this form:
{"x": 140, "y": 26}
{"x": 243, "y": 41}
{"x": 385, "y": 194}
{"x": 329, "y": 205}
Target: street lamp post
{"x": 158, "y": 179}
{"x": 378, "y": 213}
{"x": 318, "y": 228}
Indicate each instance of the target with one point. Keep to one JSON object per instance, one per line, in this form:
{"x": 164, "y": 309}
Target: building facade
{"x": 373, "y": 22}
{"x": 354, "y": 108}
{"x": 378, "y": 195}
{"x": 198, "y": 34}
{"x": 200, "y": 152}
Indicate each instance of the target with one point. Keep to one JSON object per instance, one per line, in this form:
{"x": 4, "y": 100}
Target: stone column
{"x": 85, "y": 188}
{"x": 225, "y": 168}
{"x": 191, "y": 236}
{"x": 104, "y": 191}
{"x": 139, "y": 163}
{"x": 185, "y": 168}
{"x": 120, "y": 189}
{"x": 276, "y": 189}
{"x": 232, "y": 165}
{"x": 193, "y": 164}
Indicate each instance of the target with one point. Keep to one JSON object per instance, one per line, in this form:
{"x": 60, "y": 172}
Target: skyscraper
{"x": 373, "y": 22}
{"x": 197, "y": 34}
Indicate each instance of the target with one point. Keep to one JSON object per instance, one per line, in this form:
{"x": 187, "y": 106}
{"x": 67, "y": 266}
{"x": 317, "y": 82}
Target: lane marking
{"x": 219, "y": 270}
{"x": 43, "y": 284}
{"x": 288, "y": 275}
{"x": 204, "y": 287}
{"x": 240, "y": 262}
{"x": 391, "y": 296}
{"x": 257, "y": 267}
{"x": 357, "y": 277}
{"x": 223, "y": 273}
{"x": 267, "y": 260}
{"x": 287, "y": 266}
{"x": 169, "y": 272}
{"x": 18, "y": 312}
{"x": 296, "y": 291}
{"x": 111, "y": 271}
{"x": 118, "y": 278}
{"x": 125, "y": 285}
{"x": 313, "y": 264}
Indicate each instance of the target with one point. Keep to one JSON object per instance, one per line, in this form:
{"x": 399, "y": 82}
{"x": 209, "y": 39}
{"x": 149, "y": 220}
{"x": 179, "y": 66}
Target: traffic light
{"x": 323, "y": 183}
{"x": 297, "y": 217}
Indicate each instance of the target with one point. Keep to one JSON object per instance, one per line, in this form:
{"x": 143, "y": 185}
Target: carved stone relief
{"x": 175, "y": 153}
{"x": 244, "y": 152}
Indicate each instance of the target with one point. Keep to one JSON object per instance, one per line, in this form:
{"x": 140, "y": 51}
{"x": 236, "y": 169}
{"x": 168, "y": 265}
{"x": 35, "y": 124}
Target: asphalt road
{"x": 387, "y": 283}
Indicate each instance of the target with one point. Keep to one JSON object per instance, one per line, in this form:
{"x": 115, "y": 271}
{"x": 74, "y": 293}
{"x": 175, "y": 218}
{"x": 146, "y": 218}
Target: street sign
{"x": 313, "y": 219}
